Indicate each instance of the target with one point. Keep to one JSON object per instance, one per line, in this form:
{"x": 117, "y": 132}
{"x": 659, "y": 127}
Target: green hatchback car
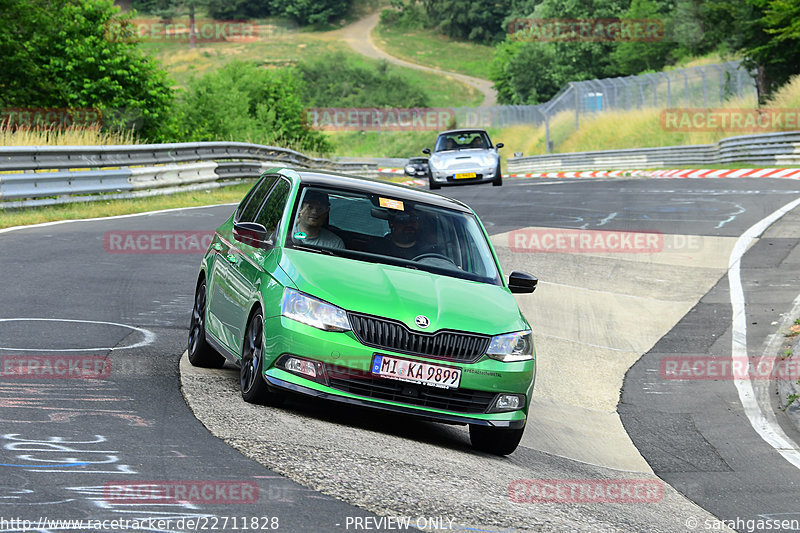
{"x": 367, "y": 293}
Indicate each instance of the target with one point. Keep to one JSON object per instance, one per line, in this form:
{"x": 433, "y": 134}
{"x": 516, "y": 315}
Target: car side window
{"x": 271, "y": 212}
{"x": 354, "y": 214}
{"x": 248, "y": 209}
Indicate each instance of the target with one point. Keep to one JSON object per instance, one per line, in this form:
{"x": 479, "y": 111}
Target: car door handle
{"x": 232, "y": 258}
{"x": 217, "y": 247}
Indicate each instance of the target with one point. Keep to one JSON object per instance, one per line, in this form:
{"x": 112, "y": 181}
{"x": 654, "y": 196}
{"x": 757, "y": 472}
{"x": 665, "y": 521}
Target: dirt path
{"x": 358, "y": 35}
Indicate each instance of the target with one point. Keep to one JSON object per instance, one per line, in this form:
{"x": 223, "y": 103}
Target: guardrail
{"x": 46, "y": 175}
{"x": 768, "y": 149}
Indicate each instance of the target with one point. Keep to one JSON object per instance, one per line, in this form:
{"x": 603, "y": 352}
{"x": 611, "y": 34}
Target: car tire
{"x": 432, "y": 184}
{"x": 497, "y": 441}
{"x": 200, "y": 352}
{"x": 498, "y": 176}
{"x": 251, "y": 377}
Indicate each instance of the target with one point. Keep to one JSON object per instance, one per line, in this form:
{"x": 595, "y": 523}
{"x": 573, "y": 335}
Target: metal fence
{"x": 695, "y": 87}
{"x": 46, "y": 175}
{"x": 764, "y": 150}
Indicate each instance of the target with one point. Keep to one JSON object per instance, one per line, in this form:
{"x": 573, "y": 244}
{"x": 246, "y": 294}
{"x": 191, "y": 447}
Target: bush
{"x": 404, "y": 16}
{"x": 240, "y": 9}
{"x": 312, "y": 11}
{"x": 242, "y": 102}
{"x": 303, "y": 11}
{"x": 333, "y": 81}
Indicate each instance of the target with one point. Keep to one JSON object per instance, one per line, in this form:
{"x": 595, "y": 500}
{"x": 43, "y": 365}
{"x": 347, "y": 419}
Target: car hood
{"x": 403, "y": 294}
{"x": 463, "y": 158}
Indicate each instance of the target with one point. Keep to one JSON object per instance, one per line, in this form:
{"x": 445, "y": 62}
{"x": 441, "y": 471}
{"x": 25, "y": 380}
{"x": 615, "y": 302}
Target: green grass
{"x": 282, "y": 46}
{"x": 426, "y": 47}
{"x": 81, "y": 210}
{"x": 377, "y": 144}
{"x": 442, "y": 90}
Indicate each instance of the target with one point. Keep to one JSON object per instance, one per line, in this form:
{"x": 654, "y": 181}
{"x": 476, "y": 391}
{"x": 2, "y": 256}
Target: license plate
{"x": 443, "y": 377}
{"x": 465, "y": 175}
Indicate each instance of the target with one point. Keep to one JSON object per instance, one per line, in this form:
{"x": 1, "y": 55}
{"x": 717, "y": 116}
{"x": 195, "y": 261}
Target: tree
{"x": 311, "y": 11}
{"x": 533, "y": 71}
{"x": 475, "y": 20}
{"x": 633, "y": 57}
{"x": 765, "y": 32}
{"x": 76, "y": 54}
{"x": 240, "y": 9}
{"x": 783, "y": 19}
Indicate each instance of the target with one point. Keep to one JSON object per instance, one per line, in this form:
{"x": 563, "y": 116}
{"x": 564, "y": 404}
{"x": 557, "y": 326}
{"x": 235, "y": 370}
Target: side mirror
{"x": 251, "y": 233}
{"x": 520, "y": 282}
{"x": 499, "y": 145}
{"x": 426, "y": 151}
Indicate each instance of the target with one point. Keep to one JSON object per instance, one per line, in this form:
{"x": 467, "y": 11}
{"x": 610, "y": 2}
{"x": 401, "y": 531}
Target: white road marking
{"x": 764, "y": 422}
{"x": 607, "y": 219}
{"x": 53, "y": 223}
{"x": 732, "y": 217}
{"x": 149, "y": 336}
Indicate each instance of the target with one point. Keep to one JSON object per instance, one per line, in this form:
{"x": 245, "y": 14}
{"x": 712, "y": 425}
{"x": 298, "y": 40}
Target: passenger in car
{"x": 405, "y": 239}
{"x": 311, "y": 217}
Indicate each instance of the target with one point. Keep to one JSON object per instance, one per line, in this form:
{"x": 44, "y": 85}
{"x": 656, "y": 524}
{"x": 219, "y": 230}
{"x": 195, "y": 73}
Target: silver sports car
{"x": 464, "y": 156}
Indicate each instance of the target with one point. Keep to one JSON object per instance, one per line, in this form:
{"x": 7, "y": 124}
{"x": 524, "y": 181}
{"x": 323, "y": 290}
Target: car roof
{"x": 463, "y": 130}
{"x": 372, "y": 186}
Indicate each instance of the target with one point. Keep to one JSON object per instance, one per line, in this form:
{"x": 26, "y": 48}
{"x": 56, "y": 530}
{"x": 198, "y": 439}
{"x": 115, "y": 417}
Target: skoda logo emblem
{"x": 422, "y": 321}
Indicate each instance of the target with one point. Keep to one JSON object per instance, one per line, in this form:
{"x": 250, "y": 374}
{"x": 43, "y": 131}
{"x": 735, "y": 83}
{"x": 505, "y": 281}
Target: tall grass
{"x": 43, "y": 136}
{"x": 638, "y": 128}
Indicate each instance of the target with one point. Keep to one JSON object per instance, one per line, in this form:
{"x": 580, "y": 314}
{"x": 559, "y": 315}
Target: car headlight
{"x": 410, "y": 169}
{"x": 433, "y": 162}
{"x": 313, "y": 312}
{"x": 511, "y": 347}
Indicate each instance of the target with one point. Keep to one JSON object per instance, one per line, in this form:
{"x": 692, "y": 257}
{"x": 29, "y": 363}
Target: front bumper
{"x": 481, "y": 381}
{"x": 447, "y": 177}
{"x": 424, "y": 415}
{"x": 419, "y": 173}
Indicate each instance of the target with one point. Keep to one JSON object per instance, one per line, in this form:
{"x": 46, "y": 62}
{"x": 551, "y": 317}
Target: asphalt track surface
{"x": 65, "y": 440}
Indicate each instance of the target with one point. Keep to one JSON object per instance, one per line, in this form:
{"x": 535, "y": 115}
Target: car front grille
{"x": 364, "y": 384}
{"x": 392, "y": 335}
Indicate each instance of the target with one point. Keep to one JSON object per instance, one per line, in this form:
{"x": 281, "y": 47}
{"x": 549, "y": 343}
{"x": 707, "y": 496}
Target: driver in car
{"x": 405, "y": 240}
{"x": 311, "y": 219}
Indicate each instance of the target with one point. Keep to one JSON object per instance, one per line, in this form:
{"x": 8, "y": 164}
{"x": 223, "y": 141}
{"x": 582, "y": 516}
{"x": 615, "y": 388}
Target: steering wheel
{"x": 432, "y": 255}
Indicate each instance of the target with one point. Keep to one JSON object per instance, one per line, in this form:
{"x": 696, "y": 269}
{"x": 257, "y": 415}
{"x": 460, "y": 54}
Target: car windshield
{"x": 462, "y": 140}
{"x": 390, "y": 230}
